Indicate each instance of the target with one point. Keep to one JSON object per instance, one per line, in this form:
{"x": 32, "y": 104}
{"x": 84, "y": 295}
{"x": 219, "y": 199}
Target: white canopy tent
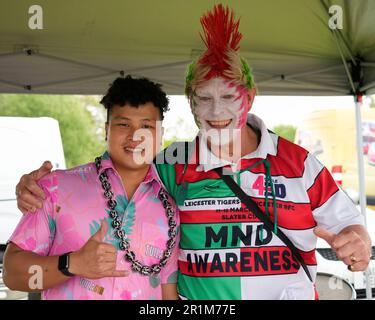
{"x": 84, "y": 44}
{"x": 290, "y": 45}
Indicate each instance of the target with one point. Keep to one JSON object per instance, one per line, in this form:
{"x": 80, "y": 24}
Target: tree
{"x": 80, "y": 133}
{"x": 286, "y": 131}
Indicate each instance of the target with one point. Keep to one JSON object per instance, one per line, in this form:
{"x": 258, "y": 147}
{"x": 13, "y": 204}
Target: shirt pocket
{"x": 153, "y": 241}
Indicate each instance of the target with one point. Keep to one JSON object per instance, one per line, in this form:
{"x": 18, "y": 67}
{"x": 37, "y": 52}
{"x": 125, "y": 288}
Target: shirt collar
{"x": 265, "y": 147}
{"x": 108, "y": 164}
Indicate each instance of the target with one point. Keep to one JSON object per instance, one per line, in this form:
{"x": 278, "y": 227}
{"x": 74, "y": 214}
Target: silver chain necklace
{"x": 120, "y": 233}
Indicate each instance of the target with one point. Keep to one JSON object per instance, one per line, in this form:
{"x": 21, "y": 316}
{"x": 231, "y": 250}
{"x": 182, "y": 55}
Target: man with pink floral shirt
{"x": 107, "y": 229}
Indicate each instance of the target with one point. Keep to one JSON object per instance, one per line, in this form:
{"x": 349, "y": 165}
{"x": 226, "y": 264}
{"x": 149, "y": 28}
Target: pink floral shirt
{"x": 72, "y": 213}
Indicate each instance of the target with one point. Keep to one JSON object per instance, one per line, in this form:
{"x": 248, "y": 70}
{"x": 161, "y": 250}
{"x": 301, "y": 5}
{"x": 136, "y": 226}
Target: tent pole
{"x": 361, "y": 175}
{"x": 297, "y": 75}
{"x": 9, "y": 83}
{"x": 350, "y": 78}
{"x": 360, "y": 161}
{"x": 312, "y": 85}
{"x": 368, "y": 64}
{"x": 340, "y": 36}
{"x": 368, "y": 86}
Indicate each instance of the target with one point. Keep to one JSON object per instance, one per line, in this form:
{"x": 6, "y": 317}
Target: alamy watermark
{"x": 336, "y": 19}
{"x": 36, "y": 19}
{"x": 36, "y": 279}
{"x": 220, "y": 144}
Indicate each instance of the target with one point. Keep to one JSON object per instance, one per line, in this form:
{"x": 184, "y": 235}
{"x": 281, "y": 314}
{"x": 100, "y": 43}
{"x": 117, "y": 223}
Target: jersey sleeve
{"x": 332, "y": 209}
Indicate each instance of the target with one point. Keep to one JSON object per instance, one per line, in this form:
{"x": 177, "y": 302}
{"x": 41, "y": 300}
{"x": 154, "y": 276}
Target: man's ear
{"x": 160, "y": 138}
{"x": 251, "y": 96}
{"x": 106, "y": 131}
{"x": 189, "y": 101}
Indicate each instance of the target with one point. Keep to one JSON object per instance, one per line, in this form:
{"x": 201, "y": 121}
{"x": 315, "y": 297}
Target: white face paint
{"x": 220, "y": 110}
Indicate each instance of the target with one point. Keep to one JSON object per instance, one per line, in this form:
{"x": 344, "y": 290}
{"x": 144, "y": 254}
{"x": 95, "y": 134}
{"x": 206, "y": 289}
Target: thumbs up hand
{"x": 349, "y": 247}
{"x": 96, "y": 259}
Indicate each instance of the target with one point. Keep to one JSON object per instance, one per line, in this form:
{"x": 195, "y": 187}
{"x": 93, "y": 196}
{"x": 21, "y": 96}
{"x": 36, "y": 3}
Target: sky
{"x": 274, "y": 110}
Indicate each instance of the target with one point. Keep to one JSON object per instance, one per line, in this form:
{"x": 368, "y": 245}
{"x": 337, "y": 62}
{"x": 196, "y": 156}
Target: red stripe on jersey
{"x": 309, "y": 257}
{"x": 322, "y": 189}
{"x": 191, "y": 175}
{"x": 296, "y": 216}
{"x": 213, "y": 216}
{"x": 316, "y": 293}
{"x": 288, "y": 162}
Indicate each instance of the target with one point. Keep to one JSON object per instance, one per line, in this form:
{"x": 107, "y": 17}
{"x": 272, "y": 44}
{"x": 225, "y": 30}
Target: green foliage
{"x": 79, "y": 129}
{"x": 286, "y": 131}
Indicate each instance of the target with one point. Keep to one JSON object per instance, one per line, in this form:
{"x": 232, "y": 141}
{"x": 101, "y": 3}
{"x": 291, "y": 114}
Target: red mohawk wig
{"x": 220, "y": 35}
{"x": 221, "y": 59}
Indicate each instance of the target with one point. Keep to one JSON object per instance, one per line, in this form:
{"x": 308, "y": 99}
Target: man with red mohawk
{"x": 228, "y": 249}
{"x": 259, "y": 244}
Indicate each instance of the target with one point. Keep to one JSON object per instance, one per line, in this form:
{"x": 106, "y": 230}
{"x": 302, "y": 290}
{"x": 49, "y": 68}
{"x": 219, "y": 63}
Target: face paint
{"x": 220, "y": 109}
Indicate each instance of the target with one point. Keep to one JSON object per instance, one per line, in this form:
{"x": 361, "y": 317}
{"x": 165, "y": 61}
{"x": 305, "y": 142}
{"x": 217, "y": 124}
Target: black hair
{"x": 135, "y": 92}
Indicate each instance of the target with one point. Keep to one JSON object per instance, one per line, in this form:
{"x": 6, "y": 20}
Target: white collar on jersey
{"x": 267, "y": 145}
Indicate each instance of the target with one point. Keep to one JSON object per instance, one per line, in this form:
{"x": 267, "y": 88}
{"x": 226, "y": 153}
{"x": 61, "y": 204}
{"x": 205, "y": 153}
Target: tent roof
{"x": 85, "y": 44}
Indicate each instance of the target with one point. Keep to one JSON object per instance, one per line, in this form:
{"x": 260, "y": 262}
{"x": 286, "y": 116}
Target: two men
{"x": 226, "y": 251}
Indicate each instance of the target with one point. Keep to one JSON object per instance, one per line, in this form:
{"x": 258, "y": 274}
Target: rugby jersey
{"x": 222, "y": 254}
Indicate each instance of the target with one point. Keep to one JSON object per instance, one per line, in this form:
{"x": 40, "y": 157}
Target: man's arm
{"x": 169, "y": 291}
{"x": 96, "y": 259}
{"x": 18, "y": 274}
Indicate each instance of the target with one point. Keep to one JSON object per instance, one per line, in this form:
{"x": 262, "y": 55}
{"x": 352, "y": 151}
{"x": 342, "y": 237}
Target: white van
{"x": 25, "y": 143}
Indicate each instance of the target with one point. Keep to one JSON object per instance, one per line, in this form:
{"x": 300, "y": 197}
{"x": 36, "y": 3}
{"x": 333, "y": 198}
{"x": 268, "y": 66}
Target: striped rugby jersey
{"x": 222, "y": 253}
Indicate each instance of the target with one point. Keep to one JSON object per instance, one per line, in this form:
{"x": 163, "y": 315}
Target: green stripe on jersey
{"x": 208, "y": 188}
{"x": 167, "y": 175}
{"x": 210, "y": 288}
